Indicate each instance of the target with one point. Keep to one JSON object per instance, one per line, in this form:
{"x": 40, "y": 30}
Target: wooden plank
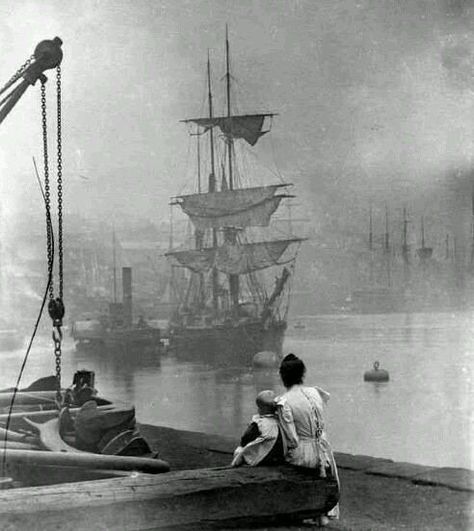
{"x": 13, "y": 436}
{"x": 48, "y": 414}
{"x": 28, "y": 397}
{"x": 191, "y": 498}
{"x": 15, "y": 445}
{"x": 32, "y": 476}
{"x": 84, "y": 460}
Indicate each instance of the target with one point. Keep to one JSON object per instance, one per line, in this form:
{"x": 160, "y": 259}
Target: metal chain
{"x": 60, "y": 183}
{"x": 57, "y": 338}
{"x": 57, "y": 332}
{"x": 47, "y": 192}
{"x": 55, "y": 305}
{"x": 16, "y": 76}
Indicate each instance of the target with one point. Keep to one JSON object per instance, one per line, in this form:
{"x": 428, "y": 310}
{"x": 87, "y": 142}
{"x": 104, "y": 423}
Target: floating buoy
{"x": 265, "y": 359}
{"x": 376, "y": 374}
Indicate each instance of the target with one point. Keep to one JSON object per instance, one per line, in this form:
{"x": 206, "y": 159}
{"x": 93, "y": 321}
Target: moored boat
{"x": 88, "y": 434}
{"x": 229, "y": 311}
{"x": 117, "y": 330}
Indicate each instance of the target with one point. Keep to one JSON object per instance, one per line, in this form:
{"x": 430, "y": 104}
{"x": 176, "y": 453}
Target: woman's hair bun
{"x": 292, "y": 370}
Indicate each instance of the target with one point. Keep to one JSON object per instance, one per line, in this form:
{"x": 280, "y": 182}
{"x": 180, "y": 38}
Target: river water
{"x": 422, "y": 415}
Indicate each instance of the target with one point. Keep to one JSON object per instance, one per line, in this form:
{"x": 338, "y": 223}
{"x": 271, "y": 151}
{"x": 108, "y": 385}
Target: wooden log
{"x": 194, "y": 499}
{"x": 85, "y": 460}
{"x": 32, "y": 476}
{"x": 13, "y": 436}
{"x": 15, "y": 445}
{"x": 46, "y": 415}
{"x": 31, "y": 397}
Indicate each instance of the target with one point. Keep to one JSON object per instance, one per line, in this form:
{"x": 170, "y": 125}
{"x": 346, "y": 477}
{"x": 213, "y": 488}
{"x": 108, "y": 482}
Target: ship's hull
{"x": 125, "y": 339}
{"x": 132, "y": 338}
{"x": 227, "y": 345}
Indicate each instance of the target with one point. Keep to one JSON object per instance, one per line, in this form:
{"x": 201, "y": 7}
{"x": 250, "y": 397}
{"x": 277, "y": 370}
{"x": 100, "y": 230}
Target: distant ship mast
{"x": 230, "y": 234}
{"x": 424, "y": 253}
{"x": 387, "y": 248}
{"x": 472, "y": 231}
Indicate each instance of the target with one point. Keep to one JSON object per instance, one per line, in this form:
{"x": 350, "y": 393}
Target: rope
{"x": 50, "y": 236}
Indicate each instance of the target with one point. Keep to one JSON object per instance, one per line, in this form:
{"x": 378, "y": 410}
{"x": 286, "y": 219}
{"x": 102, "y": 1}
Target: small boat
{"x": 299, "y": 325}
{"x": 90, "y": 438}
{"x": 117, "y": 331}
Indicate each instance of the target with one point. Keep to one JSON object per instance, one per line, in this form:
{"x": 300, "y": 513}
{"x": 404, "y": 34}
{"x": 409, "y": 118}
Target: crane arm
{"x": 47, "y": 55}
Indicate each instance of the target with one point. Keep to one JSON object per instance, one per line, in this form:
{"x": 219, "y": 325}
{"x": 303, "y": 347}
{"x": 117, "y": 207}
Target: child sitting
{"x": 262, "y": 443}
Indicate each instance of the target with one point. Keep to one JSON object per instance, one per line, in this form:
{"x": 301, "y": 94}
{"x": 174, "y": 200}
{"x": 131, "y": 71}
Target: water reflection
{"x": 377, "y": 388}
{"x": 428, "y": 356}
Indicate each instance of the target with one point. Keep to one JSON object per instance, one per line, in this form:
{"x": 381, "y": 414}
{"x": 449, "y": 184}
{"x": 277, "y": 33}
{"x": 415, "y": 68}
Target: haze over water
{"x": 374, "y": 103}
{"x": 423, "y": 415}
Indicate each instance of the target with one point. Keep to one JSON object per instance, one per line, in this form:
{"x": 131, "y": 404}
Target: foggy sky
{"x": 375, "y": 98}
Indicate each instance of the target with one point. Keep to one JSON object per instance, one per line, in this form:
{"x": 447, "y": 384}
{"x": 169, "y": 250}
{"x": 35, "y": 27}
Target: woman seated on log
{"x": 262, "y": 442}
{"x": 300, "y": 414}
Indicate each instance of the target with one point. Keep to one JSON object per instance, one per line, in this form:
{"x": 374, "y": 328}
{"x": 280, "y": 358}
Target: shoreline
{"x": 376, "y": 493}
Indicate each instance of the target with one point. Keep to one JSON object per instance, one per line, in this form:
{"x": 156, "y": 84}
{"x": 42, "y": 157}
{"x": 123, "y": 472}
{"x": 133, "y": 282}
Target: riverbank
{"x": 376, "y": 493}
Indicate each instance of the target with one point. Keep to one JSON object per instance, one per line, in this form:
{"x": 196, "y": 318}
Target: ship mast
{"x": 472, "y": 230}
{"x": 371, "y": 244}
{"x": 115, "y": 266}
{"x": 422, "y": 232}
{"x": 198, "y": 149}
{"x": 212, "y": 186}
{"x": 405, "y": 249}
{"x": 387, "y": 248}
{"x": 371, "y": 232}
{"x": 230, "y": 140}
{"x": 230, "y": 233}
{"x": 212, "y": 176}
{"x": 387, "y": 234}
{"x": 405, "y": 234}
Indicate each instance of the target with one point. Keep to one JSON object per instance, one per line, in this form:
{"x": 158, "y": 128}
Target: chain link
{"x": 16, "y": 76}
{"x": 60, "y": 183}
{"x": 57, "y": 338}
{"x": 58, "y": 322}
{"x": 55, "y": 305}
{"x": 47, "y": 191}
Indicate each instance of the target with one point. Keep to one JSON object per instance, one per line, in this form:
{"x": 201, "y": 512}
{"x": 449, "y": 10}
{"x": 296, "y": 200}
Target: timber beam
{"x": 202, "y": 498}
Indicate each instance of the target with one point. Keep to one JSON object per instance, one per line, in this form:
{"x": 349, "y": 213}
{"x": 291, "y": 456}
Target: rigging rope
{"x": 50, "y": 235}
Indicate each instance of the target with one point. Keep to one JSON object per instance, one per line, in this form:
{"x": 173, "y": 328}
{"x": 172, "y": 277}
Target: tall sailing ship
{"x": 234, "y": 305}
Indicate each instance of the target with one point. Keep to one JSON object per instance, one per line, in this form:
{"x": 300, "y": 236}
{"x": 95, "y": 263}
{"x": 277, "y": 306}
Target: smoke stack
{"x": 127, "y": 295}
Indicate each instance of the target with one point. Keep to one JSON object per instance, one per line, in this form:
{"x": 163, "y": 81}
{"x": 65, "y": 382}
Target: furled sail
{"x": 236, "y": 259}
{"x": 247, "y": 126}
{"x": 243, "y": 207}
